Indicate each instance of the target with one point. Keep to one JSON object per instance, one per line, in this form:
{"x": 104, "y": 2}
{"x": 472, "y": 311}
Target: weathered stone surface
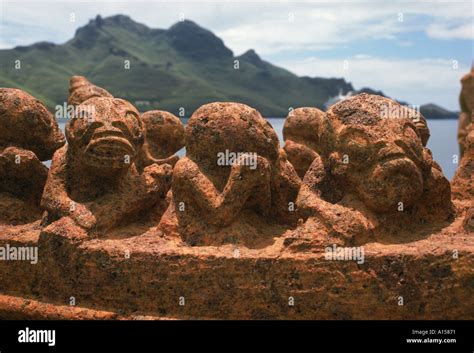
{"x": 18, "y": 308}
{"x": 80, "y": 90}
{"x": 234, "y": 184}
{"x": 252, "y": 261}
{"x": 466, "y": 100}
{"x": 93, "y": 180}
{"x": 29, "y": 134}
{"x": 147, "y": 275}
{"x": 463, "y": 183}
{"x": 26, "y": 123}
{"x": 302, "y": 133}
{"x": 163, "y": 132}
{"x": 14, "y": 308}
{"x": 375, "y": 181}
{"x": 164, "y": 136}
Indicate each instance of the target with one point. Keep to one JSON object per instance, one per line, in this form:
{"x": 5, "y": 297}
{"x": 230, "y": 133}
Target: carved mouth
{"x": 111, "y": 147}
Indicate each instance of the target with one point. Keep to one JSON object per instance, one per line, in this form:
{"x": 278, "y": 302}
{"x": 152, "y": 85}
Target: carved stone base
{"x": 148, "y": 275}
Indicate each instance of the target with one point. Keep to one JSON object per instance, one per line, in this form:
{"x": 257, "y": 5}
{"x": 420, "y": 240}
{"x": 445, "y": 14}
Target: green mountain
{"x": 184, "y": 66}
{"x": 434, "y": 111}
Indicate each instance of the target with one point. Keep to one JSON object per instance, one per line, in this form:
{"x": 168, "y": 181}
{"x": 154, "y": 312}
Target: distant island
{"x": 177, "y": 70}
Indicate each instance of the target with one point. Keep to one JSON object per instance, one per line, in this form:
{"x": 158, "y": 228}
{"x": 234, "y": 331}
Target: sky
{"x": 414, "y": 51}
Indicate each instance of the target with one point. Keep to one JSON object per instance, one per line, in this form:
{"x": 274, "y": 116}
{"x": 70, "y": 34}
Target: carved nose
{"x": 111, "y": 125}
{"x": 106, "y": 128}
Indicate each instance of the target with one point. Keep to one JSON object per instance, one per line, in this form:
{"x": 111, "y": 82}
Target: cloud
{"x": 416, "y": 81}
{"x": 445, "y": 31}
{"x": 266, "y": 26}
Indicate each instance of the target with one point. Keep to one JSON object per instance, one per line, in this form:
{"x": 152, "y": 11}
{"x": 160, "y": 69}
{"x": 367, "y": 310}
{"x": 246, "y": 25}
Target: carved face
{"x": 380, "y": 159}
{"x": 106, "y": 133}
{"x": 218, "y": 127}
{"x": 25, "y": 122}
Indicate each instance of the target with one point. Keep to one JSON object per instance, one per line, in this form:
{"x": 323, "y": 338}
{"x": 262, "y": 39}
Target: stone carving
{"x": 374, "y": 180}
{"x": 80, "y": 90}
{"x": 303, "y": 128}
{"x": 301, "y": 133}
{"x": 420, "y": 124}
{"x": 233, "y": 192}
{"x": 93, "y": 181}
{"x": 463, "y": 182}
{"x": 163, "y": 132}
{"x": 466, "y": 100}
{"x": 164, "y": 136}
{"x": 234, "y": 181}
{"x": 29, "y": 134}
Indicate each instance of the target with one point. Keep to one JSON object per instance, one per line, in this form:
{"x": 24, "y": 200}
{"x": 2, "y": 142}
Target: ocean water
{"x": 443, "y": 141}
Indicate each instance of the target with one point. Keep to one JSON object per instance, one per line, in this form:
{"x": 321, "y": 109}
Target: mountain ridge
{"x": 176, "y": 69}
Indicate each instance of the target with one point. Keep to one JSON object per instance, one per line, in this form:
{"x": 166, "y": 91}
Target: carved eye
{"x": 133, "y": 122}
{"x": 130, "y": 115}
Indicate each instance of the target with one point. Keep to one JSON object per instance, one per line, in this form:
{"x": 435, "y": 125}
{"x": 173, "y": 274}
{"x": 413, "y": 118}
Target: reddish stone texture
{"x": 466, "y": 100}
{"x": 93, "y": 180}
{"x": 302, "y": 132}
{"x": 235, "y": 184}
{"x": 147, "y": 275}
{"x": 163, "y": 132}
{"x": 80, "y": 90}
{"x": 375, "y": 180}
{"x": 29, "y": 134}
{"x": 463, "y": 182}
{"x": 16, "y": 308}
{"x": 229, "y": 245}
{"x": 164, "y": 136}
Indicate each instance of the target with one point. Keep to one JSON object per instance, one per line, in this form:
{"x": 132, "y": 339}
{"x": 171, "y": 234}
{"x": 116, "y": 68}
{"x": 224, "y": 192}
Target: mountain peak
{"x": 196, "y": 42}
{"x": 85, "y": 36}
{"x": 185, "y": 25}
{"x": 252, "y": 57}
{"x": 124, "y": 22}
{"x": 250, "y": 53}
